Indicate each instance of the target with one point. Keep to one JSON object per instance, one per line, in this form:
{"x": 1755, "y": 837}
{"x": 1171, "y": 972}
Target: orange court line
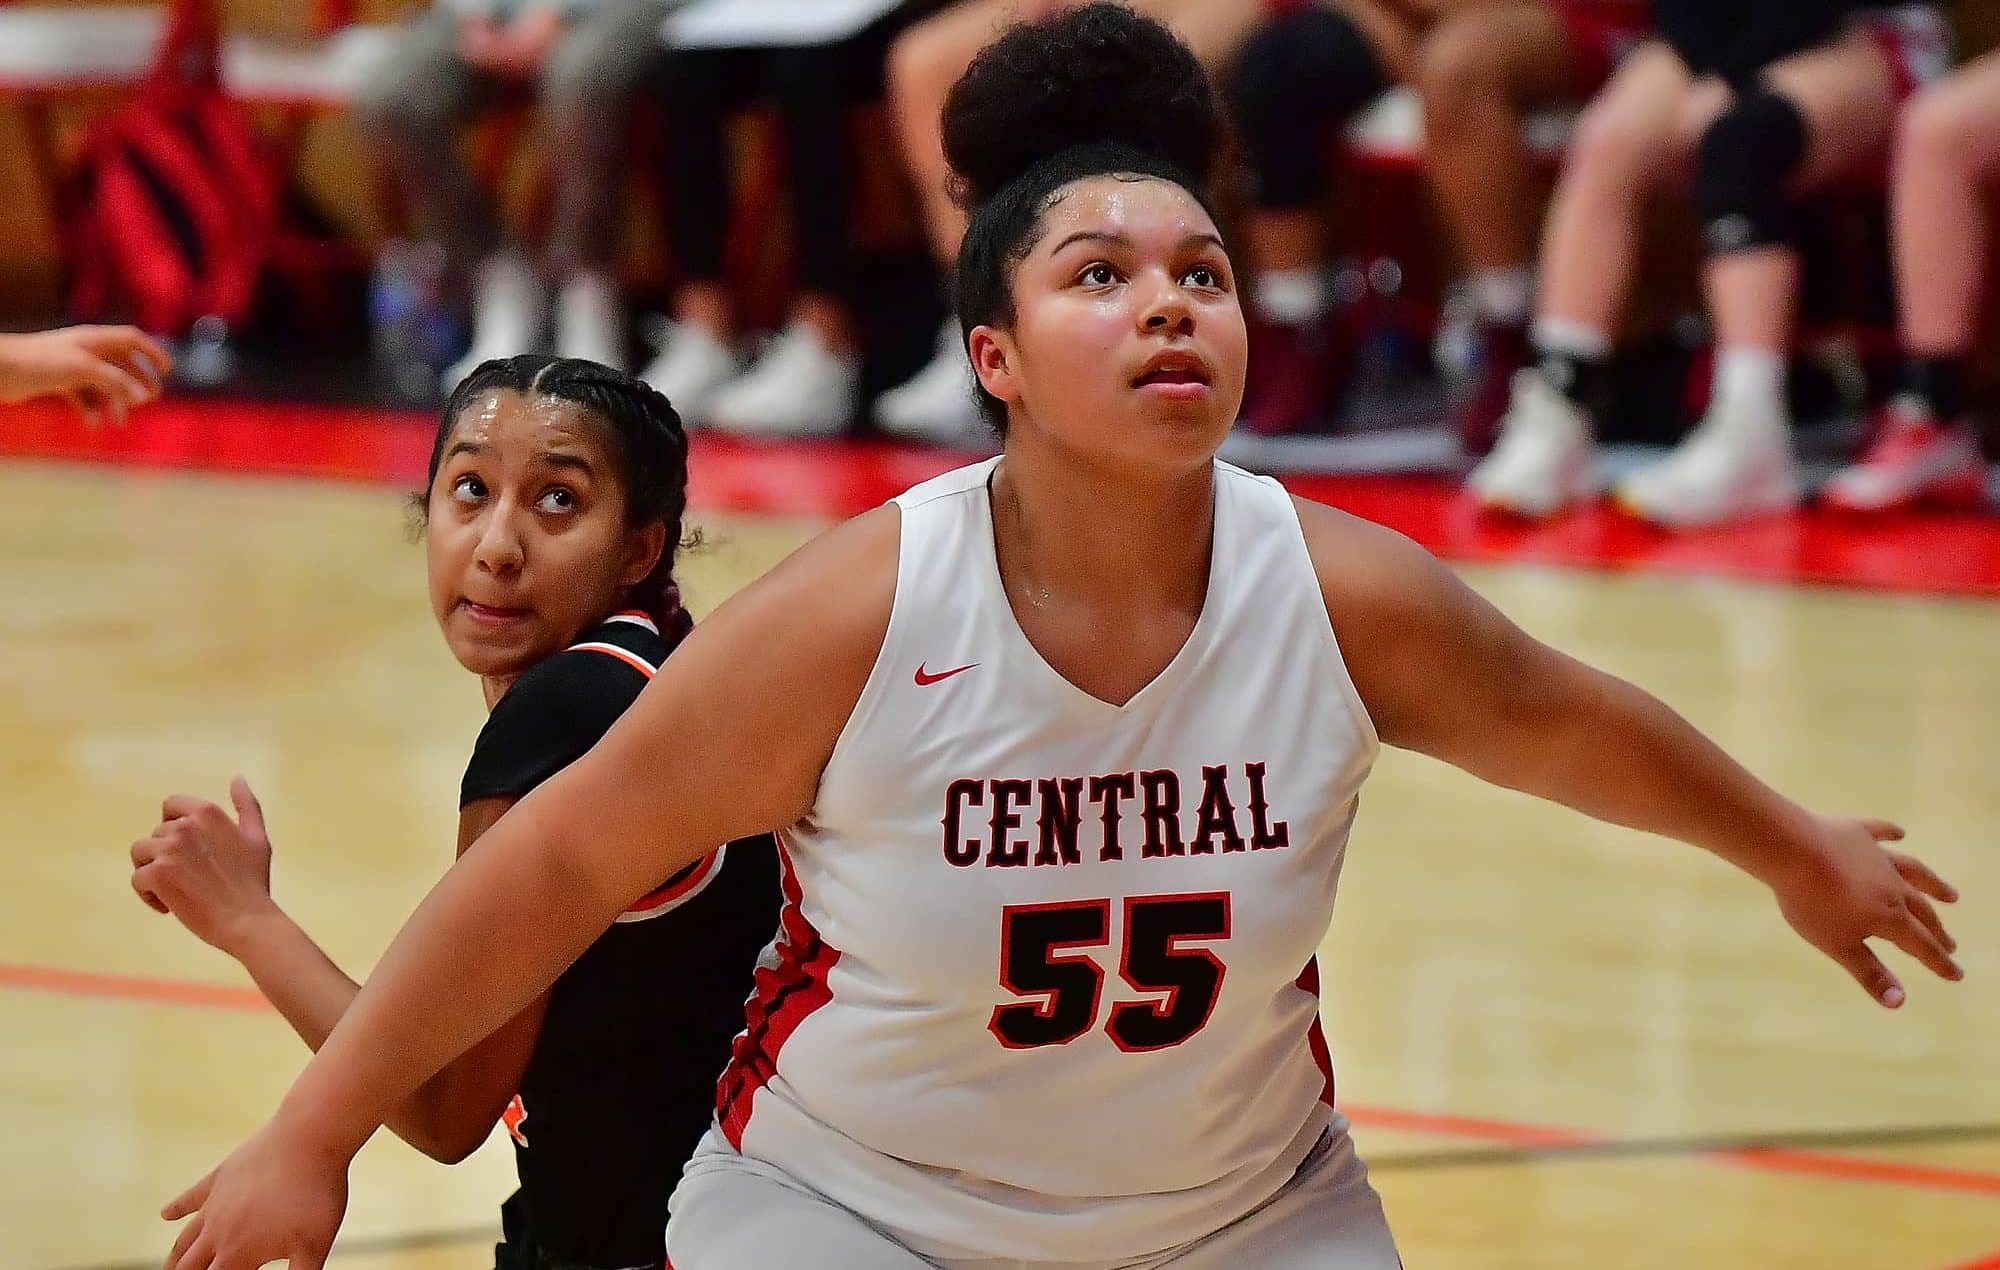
{"x": 84, "y": 983}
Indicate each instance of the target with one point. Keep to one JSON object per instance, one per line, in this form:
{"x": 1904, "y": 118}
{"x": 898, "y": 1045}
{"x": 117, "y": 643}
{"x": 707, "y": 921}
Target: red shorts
{"x": 1601, "y": 33}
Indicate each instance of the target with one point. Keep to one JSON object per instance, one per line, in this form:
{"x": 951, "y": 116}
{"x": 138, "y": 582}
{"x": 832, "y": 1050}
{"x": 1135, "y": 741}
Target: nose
{"x": 499, "y": 549}
{"x": 1166, "y": 310}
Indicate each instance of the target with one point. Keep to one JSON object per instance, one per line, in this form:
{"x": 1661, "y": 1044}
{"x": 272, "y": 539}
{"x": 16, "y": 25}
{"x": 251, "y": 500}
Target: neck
{"x": 494, "y": 687}
{"x": 1066, "y": 527}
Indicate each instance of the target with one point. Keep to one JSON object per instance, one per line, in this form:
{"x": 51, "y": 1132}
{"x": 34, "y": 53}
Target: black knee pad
{"x": 1297, "y": 81}
{"x": 1741, "y": 169}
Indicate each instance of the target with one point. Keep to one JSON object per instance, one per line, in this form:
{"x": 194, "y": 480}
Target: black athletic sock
{"x": 1938, "y": 382}
{"x": 1584, "y": 380}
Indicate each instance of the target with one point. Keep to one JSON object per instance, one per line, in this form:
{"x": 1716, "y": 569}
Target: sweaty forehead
{"x": 1146, "y": 209}
{"x": 527, "y": 424}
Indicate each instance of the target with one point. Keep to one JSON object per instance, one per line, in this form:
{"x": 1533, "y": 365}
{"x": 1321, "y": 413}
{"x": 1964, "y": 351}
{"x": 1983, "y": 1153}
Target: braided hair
{"x": 649, "y": 448}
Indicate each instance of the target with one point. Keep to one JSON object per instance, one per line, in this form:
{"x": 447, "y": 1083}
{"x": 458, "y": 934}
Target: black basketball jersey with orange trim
{"x": 621, "y": 1085}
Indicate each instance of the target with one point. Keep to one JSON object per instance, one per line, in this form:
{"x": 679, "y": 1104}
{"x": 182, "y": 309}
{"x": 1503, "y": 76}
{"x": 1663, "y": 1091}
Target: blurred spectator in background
{"x": 807, "y": 380}
{"x": 938, "y": 404}
{"x": 1947, "y": 157}
{"x": 103, "y": 370}
{"x": 1756, "y": 100}
{"x": 1479, "y": 66}
{"x": 583, "y": 60}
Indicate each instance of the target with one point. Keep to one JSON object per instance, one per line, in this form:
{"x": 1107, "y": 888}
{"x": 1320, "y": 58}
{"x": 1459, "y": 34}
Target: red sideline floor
{"x": 1944, "y": 554}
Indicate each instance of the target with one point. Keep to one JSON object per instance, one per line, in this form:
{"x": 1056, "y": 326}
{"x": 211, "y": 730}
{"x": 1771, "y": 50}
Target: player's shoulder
{"x": 606, "y": 665}
{"x": 1365, "y": 569}
{"x": 835, "y": 591}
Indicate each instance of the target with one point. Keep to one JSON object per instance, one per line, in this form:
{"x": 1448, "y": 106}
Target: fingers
{"x": 1871, "y": 974}
{"x": 1928, "y": 915}
{"x": 1921, "y": 876}
{"x": 189, "y": 1200}
{"x": 1883, "y": 830}
{"x": 1913, "y": 938}
{"x": 248, "y": 810}
{"x": 184, "y": 1244}
{"x": 155, "y": 903}
{"x": 118, "y": 389}
{"x": 188, "y": 807}
{"x": 141, "y": 888}
{"x": 309, "y": 1260}
{"x": 85, "y": 401}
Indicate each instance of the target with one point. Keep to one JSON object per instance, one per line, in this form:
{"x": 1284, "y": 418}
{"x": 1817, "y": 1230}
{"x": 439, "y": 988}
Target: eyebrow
{"x": 1120, "y": 240}
{"x": 551, "y": 458}
{"x": 562, "y": 458}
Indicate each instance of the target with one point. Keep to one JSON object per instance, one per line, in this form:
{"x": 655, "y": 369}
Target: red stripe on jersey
{"x": 1315, "y": 1036}
{"x": 783, "y": 996}
{"x": 676, "y": 889}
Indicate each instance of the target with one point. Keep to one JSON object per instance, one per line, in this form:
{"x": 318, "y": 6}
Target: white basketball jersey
{"x": 1044, "y": 987}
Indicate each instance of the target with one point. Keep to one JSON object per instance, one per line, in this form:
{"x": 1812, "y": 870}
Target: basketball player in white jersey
{"x": 1063, "y": 750}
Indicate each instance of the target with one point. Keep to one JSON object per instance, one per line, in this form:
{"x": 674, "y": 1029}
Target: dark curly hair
{"x": 1096, "y": 91}
{"x": 649, "y": 447}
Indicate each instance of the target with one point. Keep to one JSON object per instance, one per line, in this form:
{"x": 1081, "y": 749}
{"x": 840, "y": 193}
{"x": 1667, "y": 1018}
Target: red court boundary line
{"x": 1821, "y": 1164}
{"x": 1942, "y": 554}
{"x": 1991, "y": 1261}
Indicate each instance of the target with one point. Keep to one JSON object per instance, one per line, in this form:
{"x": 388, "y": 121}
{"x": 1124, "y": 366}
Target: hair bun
{"x": 1098, "y": 74}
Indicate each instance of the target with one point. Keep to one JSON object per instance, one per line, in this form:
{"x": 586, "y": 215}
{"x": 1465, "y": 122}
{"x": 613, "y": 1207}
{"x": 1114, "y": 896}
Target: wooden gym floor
{"x": 1563, "y": 1045}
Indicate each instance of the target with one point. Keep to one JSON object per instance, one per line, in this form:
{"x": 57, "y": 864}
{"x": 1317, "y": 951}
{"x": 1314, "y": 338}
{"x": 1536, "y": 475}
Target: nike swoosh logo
{"x": 926, "y": 679}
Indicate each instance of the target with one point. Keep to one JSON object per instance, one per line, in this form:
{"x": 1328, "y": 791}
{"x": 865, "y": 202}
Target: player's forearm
{"x": 493, "y": 934}
{"x": 443, "y": 1118}
{"x": 1615, "y": 752}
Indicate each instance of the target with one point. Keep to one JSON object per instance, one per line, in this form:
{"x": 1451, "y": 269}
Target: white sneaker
{"x": 590, "y": 321}
{"x": 507, "y": 303}
{"x": 1735, "y": 465}
{"x": 939, "y": 404}
{"x": 1546, "y": 457}
{"x": 691, "y": 365}
{"x": 798, "y": 388}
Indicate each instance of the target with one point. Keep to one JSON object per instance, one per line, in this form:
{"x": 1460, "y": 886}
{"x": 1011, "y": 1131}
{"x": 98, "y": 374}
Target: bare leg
{"x": 924, "y": 62}
{"x": 1948, "y": 149}
{"x": 1480, "y": 70}
{"x": 1625, "y": 136}
{"x": 1277, "y": 239}
{"x": 1846, "y": 93}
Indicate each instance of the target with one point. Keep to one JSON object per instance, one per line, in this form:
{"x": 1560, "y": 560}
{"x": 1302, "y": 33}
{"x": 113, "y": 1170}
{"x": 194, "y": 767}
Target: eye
{"x": 557, "y": 499}
{"x": 1203, "y": 276}
{"x": 468, "y": 488}
{"x": 1099, "y": 274}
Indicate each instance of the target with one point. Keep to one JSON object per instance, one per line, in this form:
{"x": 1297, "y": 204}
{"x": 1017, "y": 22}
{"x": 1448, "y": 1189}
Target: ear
{"x": 995, "y": 359}
{"x": 642, "y": 551}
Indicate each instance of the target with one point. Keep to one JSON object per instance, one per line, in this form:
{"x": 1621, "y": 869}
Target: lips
{"x": 1178, "y": 367}
{"x": 491, "y": 614}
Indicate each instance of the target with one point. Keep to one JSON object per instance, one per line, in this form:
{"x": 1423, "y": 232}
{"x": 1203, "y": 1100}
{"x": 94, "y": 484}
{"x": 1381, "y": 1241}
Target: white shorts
{"x": 734, "y": 1212}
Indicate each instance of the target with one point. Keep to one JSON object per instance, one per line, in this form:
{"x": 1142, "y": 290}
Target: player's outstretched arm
{"x": 103, "y": 370}
{"x": 213, "y": 873}
{"x": 1445, "y": 673}
{"x": 726, "y": 741}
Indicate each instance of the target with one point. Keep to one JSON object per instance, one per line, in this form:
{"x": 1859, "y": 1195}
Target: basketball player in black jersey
{"x": 552, "y": 511}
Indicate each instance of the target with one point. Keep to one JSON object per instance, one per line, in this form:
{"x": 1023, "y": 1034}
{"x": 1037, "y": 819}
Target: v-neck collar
{"x": 1191, "y": 648}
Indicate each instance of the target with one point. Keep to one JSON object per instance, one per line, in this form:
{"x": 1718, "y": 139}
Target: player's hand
{"x": 275, "y": 1198}
{"x": 1848, "y": 888}
{"x": 104, "y": 370}
{"x": 211, "y": 872}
